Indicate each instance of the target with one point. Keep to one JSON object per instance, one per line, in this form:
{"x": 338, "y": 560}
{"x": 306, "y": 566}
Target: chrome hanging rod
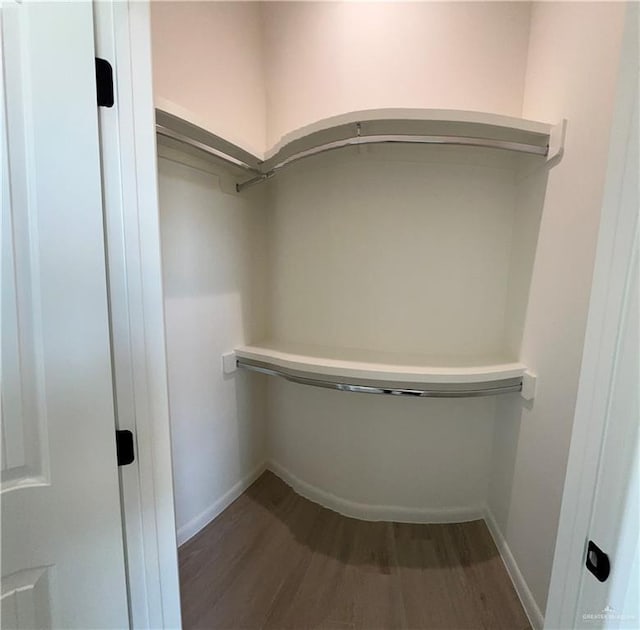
{"x": 392, "y": 391}
{"x": 169, "y": 133}
{"x": 406, "y": 139}
{"x": 262, "y": 170}
{"x": 519, "y": 147}
{"x": 240, "y": 186}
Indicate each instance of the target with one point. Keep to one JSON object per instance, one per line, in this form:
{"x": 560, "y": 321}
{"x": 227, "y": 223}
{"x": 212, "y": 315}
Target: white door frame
{"x": 128, "y": 147}
{"x": 618, "y": 230}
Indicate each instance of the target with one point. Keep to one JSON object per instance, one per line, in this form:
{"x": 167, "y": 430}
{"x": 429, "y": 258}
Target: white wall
{"x": 571, "y": 72}
{"x": 253, "y": 71}
{"x": 395, "y": 249}
{"x": 327, "y": 58}
{"x": 383, "y": 457}
{"x": 214, "y": 254}
{"x": 207, "y": 59}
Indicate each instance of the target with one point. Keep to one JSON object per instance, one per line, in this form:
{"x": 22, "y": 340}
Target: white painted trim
{"x": 199, "y": 522}
{"x": 523, "y": 591}
{"x": 128, "y": 152}
{"x": 369, "y": 512}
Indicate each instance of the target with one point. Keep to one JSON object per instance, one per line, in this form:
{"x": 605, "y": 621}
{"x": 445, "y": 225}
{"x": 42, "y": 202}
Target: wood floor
{"x": 275, "y": 560}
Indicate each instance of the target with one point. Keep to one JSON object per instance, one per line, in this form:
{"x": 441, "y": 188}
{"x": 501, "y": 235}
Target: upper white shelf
{"x": 426, "y": 126}
{"x": 464, "y": 122}
{"x": 362, "y": 371}
{"x": 414, "y": 126}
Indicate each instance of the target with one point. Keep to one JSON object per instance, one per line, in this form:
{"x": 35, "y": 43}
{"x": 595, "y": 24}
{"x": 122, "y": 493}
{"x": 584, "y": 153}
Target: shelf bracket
{"x": 240, "y": 186}
{"x": 556, "y": 140}
{"x": 528, "y": 385}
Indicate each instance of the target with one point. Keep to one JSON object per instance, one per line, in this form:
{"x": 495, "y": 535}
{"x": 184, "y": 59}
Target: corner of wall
{"x": 200, "y": 521}
{"x": 525, "y": 595}
{"x": 572, "y": 48}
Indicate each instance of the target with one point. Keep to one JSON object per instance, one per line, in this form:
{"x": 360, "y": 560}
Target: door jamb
{"x": 132, "y": 233}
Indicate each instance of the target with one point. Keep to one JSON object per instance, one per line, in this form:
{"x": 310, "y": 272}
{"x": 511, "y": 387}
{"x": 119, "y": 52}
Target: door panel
{"x": 26, "y": 599}
{"x": 62, "y": 546}
{"x": 23, "y": 425}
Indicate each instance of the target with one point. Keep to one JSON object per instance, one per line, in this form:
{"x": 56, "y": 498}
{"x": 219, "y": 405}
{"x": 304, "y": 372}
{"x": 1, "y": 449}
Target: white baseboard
{"x": 522, "y": 589}
{"x": 190, "y": 529}
{"x": 369, "y": 512}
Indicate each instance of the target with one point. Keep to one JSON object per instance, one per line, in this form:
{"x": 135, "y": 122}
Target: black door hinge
{"x": 124, "y": 447}
{"x": 104, "y": 82}
{"x": 598, "y": 562}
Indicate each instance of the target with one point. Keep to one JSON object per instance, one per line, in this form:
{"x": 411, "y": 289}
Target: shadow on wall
{"x": 531, "y": 188}
{"x": 213, "y": 242}
{"x": 213, "y": 255}
{"x": 508, "y": 424}
{"x": 381, "y": 544}
{"x": 250, "y": 395}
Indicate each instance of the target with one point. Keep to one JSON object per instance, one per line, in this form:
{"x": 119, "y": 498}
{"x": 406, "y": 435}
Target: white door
{"x": 62, "y": 544}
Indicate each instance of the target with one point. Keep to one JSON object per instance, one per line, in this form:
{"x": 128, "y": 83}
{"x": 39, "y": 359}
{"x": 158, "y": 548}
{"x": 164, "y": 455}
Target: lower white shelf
{"x": 385, "y": 373}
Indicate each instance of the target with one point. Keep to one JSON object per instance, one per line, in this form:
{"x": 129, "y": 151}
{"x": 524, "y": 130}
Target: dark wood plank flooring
{"x": 275, "y": 560}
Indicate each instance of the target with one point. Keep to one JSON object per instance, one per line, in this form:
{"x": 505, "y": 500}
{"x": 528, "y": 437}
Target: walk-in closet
{"x": 378, "y": 225}
{"x": 320, "y": 315}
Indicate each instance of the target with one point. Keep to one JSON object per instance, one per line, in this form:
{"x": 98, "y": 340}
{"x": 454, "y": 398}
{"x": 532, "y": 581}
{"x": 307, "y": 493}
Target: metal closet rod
{"x": 271, "y": 169}
{"x": 174, "y": 135}
{"x": 393, "y": 391}
{"x": 487, "y": 143}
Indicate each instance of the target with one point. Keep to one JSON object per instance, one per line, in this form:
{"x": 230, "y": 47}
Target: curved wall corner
{"x": 392, "y": 249}
{"x": 382, "y": 457}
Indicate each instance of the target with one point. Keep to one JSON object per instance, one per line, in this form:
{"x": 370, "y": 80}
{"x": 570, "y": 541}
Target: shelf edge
{"x": 382, "y": 372}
